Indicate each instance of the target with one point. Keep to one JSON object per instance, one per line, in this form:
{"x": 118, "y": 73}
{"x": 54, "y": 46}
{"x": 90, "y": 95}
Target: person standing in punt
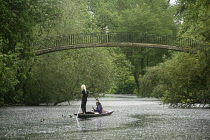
{"x": 84, "y": 98}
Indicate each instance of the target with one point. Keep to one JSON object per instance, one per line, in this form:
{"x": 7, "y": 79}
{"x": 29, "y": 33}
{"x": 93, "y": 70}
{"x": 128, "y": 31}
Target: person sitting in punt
{"x": 99, "y": 108}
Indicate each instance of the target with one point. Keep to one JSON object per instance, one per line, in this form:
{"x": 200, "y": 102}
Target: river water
{"x": 133, "y": 119}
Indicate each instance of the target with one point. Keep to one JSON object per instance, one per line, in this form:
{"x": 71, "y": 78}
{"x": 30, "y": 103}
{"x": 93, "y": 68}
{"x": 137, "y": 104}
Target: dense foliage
{"x": 184, "y": 80}
{"x": 18, "y": 28}
{"x": 56, "y": 77}
{"x": 144, "y": 16}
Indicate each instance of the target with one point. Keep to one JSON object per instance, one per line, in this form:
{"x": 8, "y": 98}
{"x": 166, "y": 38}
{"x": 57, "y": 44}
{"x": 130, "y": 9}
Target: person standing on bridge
{"x": 84, "y": 98}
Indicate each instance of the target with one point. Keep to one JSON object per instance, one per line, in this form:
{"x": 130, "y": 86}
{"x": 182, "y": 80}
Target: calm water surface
{"x": 133, "y": 119}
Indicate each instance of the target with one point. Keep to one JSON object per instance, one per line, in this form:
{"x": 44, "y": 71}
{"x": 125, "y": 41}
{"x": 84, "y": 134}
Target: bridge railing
{"x": 134, "y": 37}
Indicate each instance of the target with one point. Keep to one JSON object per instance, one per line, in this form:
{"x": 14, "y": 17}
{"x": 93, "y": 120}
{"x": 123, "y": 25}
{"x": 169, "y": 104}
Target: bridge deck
{"x": 146, "y": 40}
{"x": 123, "y": 44}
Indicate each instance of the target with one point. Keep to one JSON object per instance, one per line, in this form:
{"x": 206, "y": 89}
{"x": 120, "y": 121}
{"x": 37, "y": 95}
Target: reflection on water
{"x": 143, "y": 120}
{"x": 133, "y": 118}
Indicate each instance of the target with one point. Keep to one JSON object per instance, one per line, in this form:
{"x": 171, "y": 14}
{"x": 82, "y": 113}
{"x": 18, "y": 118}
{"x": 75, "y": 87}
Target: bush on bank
{"x": 184, "y": 79}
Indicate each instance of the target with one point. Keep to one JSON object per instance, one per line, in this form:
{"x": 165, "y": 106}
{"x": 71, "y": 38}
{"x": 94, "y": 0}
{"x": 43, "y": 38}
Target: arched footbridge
{"x": 87, "y": 40}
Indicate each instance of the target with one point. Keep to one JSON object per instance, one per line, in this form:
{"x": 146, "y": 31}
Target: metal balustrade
{"x": 117, "y": 39}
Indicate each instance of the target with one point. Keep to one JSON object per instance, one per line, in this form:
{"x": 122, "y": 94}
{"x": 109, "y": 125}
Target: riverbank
{"x": 127, "y": 96}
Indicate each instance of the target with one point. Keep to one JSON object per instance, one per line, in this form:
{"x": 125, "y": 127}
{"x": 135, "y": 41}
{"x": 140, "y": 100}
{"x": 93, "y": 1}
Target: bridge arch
{"x": 75, "y": 41}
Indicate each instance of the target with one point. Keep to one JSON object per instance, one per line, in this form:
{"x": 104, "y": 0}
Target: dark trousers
{"x": 83, "y": 106}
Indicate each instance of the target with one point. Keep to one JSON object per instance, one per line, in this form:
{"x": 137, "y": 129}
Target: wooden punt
{"x": 94, "y": 114}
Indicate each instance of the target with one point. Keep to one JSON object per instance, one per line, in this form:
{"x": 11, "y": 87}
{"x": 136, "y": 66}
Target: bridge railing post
{"x": 108, "y": 37}
{"x": 90, "y": 38}
{"x": 57, "y": 43}
{"x": 72, "y": 39}
{"x": 99, "y": 39}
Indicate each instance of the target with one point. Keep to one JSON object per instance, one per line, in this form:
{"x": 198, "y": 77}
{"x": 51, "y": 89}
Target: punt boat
{"x": 94, "y": 114}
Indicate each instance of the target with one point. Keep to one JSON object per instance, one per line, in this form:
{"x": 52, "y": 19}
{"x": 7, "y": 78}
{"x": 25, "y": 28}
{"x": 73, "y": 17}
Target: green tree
{"x": 182, "y": 79}
{"x": 17, "y": 22}
{"x": 154, "y": 17}
{"x": 74, "y": 18}
{"x": 123, "y": 83}
{"x": 57, "y": 77}
{"x": 105, "y": 14}
{"x": 62, "y": 84}
{"x": 195, "y": 15}
{"x": 144, "y": 16}
{"x": 180, "y": 75}
{"x": 151, "y": 85}
{"x": 8, "y": 75}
